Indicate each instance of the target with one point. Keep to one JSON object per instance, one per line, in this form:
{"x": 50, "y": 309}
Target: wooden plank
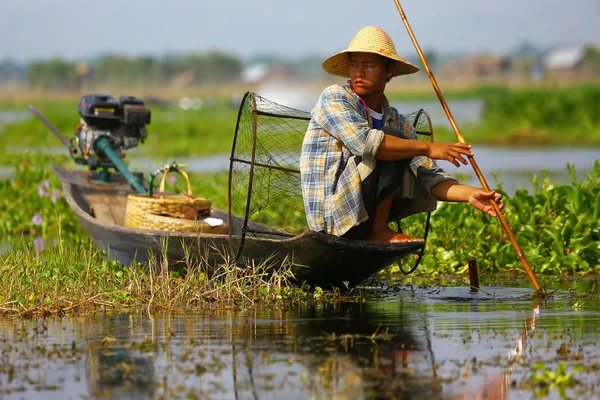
{"x": 107, "y": 207}
{"x": 102, "y": 212}
{"x": 118, "y": 212}
{"x": 106, "y": 198}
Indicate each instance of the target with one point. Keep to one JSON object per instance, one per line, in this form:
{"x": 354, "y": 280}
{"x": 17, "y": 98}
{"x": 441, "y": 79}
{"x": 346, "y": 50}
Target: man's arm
{"x": 395, "y": 148}
{"x": 480, "y": 199}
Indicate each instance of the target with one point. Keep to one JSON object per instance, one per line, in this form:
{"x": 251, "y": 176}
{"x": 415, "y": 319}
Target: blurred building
{"x": 477, "y": 67}
{"x": 254, "y": 73}
{"x": 258, "y": 74}
{"x": 574, "y": 61}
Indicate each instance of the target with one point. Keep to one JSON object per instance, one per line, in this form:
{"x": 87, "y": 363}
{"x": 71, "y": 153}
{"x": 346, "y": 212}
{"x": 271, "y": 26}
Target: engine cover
{"x": 122, "y": 122}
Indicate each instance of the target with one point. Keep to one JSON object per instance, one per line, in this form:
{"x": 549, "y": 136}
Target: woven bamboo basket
{"x": 161, "y": 222}
{"x": 140, "y": 205}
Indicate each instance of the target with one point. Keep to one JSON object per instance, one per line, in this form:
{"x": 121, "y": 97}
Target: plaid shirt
{"x": 339, "y": 132}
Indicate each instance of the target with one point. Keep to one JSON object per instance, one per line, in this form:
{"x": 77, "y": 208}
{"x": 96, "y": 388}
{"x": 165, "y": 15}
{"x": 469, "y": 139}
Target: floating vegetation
{"x": 557, "y": 226}
{"x": 545, "y": 380}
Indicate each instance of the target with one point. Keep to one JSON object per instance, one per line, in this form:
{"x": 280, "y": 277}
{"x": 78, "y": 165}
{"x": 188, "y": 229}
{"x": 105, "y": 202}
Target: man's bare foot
{"x": 389, "y": 236}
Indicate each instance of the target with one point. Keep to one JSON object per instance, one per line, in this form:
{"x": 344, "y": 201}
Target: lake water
{"x": 515, "y": 167}
{"x": 417, "y": 343}
{"x": 7, "y": 116}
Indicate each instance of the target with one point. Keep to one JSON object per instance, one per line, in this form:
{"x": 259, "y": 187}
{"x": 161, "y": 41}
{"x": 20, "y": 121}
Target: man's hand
{"x": 452, "y": 152}
{"x": 482, "y": 200}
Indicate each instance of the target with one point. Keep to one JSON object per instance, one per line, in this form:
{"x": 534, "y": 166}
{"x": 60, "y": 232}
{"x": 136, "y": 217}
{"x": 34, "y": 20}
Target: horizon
{"x": 45, "y": 29}
{"x": 258, "y": 58}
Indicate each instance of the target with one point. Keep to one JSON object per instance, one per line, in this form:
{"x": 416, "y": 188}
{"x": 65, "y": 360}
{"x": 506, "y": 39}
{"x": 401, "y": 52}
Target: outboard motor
{"x": 122, "y": 125}
{"x": 106, "y": 128}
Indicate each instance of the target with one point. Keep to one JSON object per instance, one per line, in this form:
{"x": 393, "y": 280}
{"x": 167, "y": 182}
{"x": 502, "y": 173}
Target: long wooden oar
{"x": 460, "y": 138}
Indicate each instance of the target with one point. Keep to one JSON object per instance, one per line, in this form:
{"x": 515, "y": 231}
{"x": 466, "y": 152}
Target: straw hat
{"x": 368, "y": 40}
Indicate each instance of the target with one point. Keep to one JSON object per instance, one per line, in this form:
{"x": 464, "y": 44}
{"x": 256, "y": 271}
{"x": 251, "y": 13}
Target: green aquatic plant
{"x": 31, "y": 202}
{"x": 53, "y": 259}
{"x": 545, "y": 380}
{"x": 557, "y": 226}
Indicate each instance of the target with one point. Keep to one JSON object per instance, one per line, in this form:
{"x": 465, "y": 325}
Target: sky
{"x": 80, "y": 29}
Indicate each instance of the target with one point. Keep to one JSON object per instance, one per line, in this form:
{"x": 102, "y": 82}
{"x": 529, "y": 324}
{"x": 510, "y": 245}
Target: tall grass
{"x": 77, "y": 278}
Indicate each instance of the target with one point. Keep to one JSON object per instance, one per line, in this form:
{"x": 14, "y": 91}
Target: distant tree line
{"x": 120, "y": 71}
{"x": 592, "y": 55}
{"x": 182, "y": 71}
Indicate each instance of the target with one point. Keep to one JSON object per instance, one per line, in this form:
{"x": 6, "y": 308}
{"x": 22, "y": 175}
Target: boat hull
{"x": 315, "y": 258}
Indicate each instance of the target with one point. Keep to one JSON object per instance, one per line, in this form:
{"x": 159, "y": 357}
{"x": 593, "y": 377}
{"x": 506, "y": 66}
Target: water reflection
{"x": 120, "y": 369}
{"x": 117, "y": 373}
{"x": 446, "y": 344}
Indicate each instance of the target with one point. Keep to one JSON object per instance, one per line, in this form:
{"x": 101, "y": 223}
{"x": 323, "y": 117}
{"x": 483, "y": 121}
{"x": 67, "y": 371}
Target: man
{"x": 361, "y": 166}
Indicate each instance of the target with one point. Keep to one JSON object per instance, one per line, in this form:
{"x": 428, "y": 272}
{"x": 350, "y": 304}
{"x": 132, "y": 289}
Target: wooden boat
{"x": 316, "y": 258}
{"x": 266, "y": 217}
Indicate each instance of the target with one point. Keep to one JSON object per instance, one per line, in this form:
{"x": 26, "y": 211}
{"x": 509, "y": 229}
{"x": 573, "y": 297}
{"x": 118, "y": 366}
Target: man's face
{"x": 368, "y": 73}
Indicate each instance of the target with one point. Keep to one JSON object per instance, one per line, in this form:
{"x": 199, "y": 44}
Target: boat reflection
{"x": 117, "y": 373}
{"x": 345, "y": 351}
{"x": 120, "y": 368}
{"x": 383, "y": 349}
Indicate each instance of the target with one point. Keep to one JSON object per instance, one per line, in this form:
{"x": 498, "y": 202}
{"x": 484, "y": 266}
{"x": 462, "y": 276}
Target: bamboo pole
{"x": 460, "y": 138}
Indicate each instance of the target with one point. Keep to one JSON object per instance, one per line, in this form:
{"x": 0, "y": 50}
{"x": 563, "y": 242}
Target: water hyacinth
{"x": 37, "y": 220}
{"x": 38, "y": 243}
{"x": 43, "y": 188}
{"x": 55, "y": 195}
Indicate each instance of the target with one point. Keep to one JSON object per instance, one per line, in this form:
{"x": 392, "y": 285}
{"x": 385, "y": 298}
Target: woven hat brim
{"x": 339, "y": 65}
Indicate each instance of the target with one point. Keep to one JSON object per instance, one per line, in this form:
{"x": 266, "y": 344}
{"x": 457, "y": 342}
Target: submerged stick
{"x": 473, "y": 274}
{"x": 460, "y": 138}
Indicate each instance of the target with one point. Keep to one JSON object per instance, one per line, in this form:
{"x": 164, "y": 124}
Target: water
{"x": 6, "y": 173}
{"x": 513, "y": 167}
{"x": 424, "y": 343}
{"x": 214, "y": 163}
{"x": 8, "y": 116}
